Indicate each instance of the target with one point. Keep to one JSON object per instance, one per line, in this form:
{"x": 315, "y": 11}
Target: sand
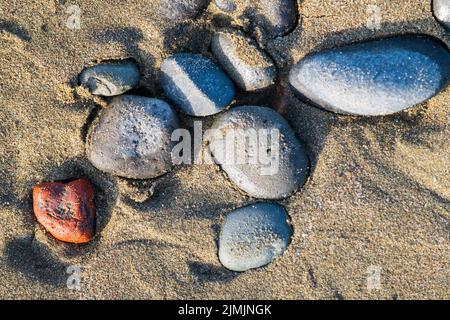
{"x": 376, "y": 203}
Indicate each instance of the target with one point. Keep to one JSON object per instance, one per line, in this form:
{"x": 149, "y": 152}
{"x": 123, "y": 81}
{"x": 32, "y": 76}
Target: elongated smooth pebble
{"x": 374, "y": 78}
{"x": 132, "y": 138}
{"x": 259, "y": 152}
{"x": 196, "y": 85}
{"x": 110, "y": 78}
{"x": 253, "y": 236}
{"x": 225, "y": 5}
{"x": 179, "y": 10}
{"x": 250, "y": 67}
{"x": 441, "y": 10}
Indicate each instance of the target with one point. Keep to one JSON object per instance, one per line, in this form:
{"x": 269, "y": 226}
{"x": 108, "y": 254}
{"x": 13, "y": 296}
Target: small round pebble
{"x": 253, "y": 236}
{"x": 110, "y": 78}
{"x": 196, "y": 84}
{"x": 226, "y": 5}
{"x": 179, "y": 10}
{"x": 441, "y": 9}
{"x": 276, "y": 17}
{"x": 250, "y": 67}
{"x": 132, "y": 138}
{"x": 376, "y": 77}
{"x": 259, "y": 152}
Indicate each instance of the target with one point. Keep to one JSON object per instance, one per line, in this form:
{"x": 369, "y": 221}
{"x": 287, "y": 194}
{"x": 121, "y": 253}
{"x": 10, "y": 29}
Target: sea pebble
{"x": 259, "y": 152}
{"x": 66, "y": 210}
{"x": 132, "y": 138}
{"x": 376, "y": 77}
{"x": 226, "y": 5}
{"x": 110, "y": 78}
{"x": 196, "y": 84}
{"x": 179, "y": 10}
{"x": 276, "y": 17}
{"x": 250, "y": 67}
{"x": 441, "y": 9}
{"x": 254, "y": 236}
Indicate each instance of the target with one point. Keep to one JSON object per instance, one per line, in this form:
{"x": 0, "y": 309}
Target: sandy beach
{"x": 376, "y": 201}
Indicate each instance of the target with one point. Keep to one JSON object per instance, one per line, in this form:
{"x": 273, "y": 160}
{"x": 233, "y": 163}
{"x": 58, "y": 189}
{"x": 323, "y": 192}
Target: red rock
{"x": 66, "y": 210}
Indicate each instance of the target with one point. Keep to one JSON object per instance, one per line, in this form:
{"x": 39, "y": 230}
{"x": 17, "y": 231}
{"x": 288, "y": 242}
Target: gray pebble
{"x": 250, "y": 67}
{"x": 132, "y": 138}
{"x": 179, "y": 10}
{"x": 441, "y": 10}
{"x": 376, "y": 77}
{"x": 254, "y": 236}
{"x": 196, "y": 84}
{"x": 110, "y": 78}
{"x": 226, "y": 5}
{"x": 271, "y": 168}
{"x": 276, "y": 17}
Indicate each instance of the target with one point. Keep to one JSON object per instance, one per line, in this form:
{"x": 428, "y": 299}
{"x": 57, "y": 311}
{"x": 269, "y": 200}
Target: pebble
{"x": 263, "y": 169}
{"x": 179, "y": 10}
{"x": 374, "y": 78}
{"x": 66, "y": 210}
{"x": 110, "y": 78}
{"x": 253, "y": 236}
{"x": 132, "y": 138}
{"x": 196, "y": 84}
{"x": 250, "y": 67}
{"x": 226, "y": 5}
{"x": 441, "y": 9}
{"x": 276, "y": 17}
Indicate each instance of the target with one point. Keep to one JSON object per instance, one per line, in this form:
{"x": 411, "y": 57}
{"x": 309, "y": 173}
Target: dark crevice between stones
{"x": 84, "y": 131}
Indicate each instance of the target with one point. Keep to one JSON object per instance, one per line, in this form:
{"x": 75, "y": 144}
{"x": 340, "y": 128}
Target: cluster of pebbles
{"x": 131, "y": 138}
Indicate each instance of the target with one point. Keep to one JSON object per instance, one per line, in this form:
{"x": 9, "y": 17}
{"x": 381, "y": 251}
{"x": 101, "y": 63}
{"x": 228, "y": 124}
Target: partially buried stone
{"x": 374, "y": 78}
{"x": 226, "y": 5}
{"x": 110, "y": 78}
{"x": 254, "y": 236}
{"x": 250, "y": 67}
{"x": 441, "y": 9}
{"x": 259, "y": 152}
{"x": 132, "y": 138}
{"x": 66, "y": 210}
{"x": 179, "y": 10}
{"x": 196, "y": 85}
{"x": 276, "y": 17}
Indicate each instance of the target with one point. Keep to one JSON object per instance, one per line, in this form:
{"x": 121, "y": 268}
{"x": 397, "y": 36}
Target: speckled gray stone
{"x": 225, "y": 5}
{"x": 376, "y": 77}
{"x": 276, "y": 17}
{"x": 250, "y": 67}
{"x": 132, "y": 138}
{"x": 196, "y": 85}
{"x": 441, "y": 10}
{"x": 253, "y": 236}
{"x": 279, "y": 169}
{"x": 110, "y": 78}
{"x": 179, "y": 10}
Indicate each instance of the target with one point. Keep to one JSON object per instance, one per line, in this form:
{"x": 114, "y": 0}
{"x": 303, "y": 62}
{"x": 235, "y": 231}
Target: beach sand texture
{"x": 377, "y": 199}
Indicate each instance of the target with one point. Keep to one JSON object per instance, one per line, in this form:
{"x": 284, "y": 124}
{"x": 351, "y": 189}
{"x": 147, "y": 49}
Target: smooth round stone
{"x": 271, "y": 168}
{"x": 276, "y": 17}
{"x": 132, "y": 138}
{"x": 441, "y": 10}
{"x": 253, "y": 236}
{"x": 250, "y": 67}
{"x": 196, "y": 84}
{"x": 225, "y": 5}
{"x": 179, "y": 10}
{"x": 110, "y": 78}
{"x": 374, "y": 78}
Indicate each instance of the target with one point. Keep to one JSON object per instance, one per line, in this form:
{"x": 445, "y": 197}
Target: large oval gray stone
{"x": 110, "y": 78}
{"x": 259, "y": 152}
{"x": 250, "y": 67}
{"x": 196, "y": 85}
{"x": 179, "y": 10}
{"x": 376, "y": 77}
{"x": 132, "y": 138}
{"x": 441, "y": 10}
{"x": 253, "y": 236}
